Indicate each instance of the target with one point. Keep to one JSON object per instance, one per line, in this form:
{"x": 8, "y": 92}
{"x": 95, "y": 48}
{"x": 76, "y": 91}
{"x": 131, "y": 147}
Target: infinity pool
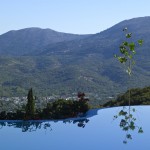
{"x": 97, "y": 130}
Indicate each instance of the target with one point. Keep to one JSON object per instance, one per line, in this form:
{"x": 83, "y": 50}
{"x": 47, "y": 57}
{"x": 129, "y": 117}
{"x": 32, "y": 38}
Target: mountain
{"x": 24, "y": 41}
{"x": 77, "y": 63}
{"x": 106, "y": 42}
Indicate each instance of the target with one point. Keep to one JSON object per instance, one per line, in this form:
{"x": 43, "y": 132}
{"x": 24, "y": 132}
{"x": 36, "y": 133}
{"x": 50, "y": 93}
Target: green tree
{"x": 126, "y": 57}
{"x": 127, "y": 52}
{"x": 30, "y": 107}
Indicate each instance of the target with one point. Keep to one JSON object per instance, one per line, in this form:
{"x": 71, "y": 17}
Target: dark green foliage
{"x": 3, "y": 115}
{"x": 66, "y": 108}
{"x": 30, "y": 107}
{"x": 138, "y": 97}
{"x": 59, "y": 109}
{"x": 127, "y": 52}
{"x": 20, "y": 114}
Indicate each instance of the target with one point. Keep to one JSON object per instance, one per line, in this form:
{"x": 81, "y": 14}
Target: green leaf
{"x": 122, "y": 113}
{"x": 123, "y": 123}
{"x": 126, "y": 128}
{"x": 130, "y": 116}
{"x": 132, "y": 46}
{"x": 124, "y": 51}
{"x": 128, "y": 35}
{"x": 140, "y": 42}
{"x": 124, "y": 142}
{"x": 125, "y": 43}
{"x": 140, "y": 130}
{"x": 133, "y": 109}
{"x": 129, "y": 136}
{"x": 132, "y": 123}
{"x": 122, "y": 59}
{"x": 134, "y": 119}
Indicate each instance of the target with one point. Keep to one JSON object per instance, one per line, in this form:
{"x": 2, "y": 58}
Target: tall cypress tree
{"x": 30, "y": 107}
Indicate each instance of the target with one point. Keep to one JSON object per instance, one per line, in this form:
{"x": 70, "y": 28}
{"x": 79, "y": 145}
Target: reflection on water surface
{"x": 96, "y": 130}
{"x": 35, "y": 125}
{"x": 128, "y": 122}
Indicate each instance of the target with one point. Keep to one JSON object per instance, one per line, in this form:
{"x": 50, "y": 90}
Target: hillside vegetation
{"x": 139, "y": 96}
{"x": 55, "y": 63}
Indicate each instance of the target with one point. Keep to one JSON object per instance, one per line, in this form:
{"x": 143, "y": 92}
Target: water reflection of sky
{"x": 100, "y": 132}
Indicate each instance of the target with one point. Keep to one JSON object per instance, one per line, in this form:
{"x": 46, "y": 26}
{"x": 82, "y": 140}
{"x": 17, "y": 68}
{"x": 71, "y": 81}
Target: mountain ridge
{"x": 83, "y": 64}
{"x": 23, "y": 41}
{"x": 112, "y": 36}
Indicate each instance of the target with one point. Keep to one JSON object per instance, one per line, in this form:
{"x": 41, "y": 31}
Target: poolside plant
{"x": 126, "y": 57}
{"x": 127, "y": 53}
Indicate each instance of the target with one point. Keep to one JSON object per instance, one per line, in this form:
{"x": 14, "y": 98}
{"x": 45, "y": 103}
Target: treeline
{"x": 139, "y": 96}
{"x": 59, "y": 109}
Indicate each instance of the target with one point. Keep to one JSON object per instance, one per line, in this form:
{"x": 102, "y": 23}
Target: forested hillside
{"x": 54, "y": 63}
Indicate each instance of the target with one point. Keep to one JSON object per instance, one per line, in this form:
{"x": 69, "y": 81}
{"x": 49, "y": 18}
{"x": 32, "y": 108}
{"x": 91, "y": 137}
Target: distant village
{"x": 14, "y": 103}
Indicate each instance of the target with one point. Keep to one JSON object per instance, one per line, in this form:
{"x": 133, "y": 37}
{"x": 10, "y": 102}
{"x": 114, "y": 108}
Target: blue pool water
{"x": 97, "y": 130}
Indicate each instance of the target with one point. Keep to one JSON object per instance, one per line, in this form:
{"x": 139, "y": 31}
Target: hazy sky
{"x": 71, "y": 16}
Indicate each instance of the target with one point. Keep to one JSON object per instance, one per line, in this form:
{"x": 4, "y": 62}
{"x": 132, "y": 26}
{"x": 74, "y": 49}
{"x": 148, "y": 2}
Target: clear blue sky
{"x": 71, "y": 16}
